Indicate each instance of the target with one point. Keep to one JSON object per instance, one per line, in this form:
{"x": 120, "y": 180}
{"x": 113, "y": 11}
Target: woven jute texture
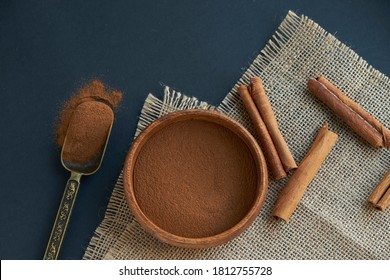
{"x": 333, "y": 220}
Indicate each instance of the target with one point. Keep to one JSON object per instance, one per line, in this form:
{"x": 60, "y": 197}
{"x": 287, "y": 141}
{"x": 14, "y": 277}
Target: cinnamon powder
{"x": 85, "y": 122}
{"x": 87, "y": 132}
{"x": 195, "y": 179}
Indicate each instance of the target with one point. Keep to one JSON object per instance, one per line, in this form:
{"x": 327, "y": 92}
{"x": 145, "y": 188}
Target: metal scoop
{"x": 70, "y": 193}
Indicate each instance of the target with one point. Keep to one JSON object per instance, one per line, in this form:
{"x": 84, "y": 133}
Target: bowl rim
{"x": 205, "y": 115}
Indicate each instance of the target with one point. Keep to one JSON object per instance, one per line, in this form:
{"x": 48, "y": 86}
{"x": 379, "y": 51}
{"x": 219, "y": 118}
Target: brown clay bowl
{"x": 206, "y": 209}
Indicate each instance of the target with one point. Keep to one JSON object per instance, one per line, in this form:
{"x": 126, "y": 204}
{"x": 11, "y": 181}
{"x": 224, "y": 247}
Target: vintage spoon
{"x": 72, "y": 186}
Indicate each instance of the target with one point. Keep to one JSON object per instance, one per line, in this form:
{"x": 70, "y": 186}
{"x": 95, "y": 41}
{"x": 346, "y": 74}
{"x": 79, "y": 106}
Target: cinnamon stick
{"x": 264, "y": 106}
{"x": 265, "y": 139}
{"x": 305, "y": 173}
{"x": 356, "y": 107}
{"x": 350, "y": 112}
{"x": 380, "y": 197}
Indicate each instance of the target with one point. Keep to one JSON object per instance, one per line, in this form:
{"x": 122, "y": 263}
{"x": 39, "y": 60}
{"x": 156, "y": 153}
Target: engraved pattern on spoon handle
{"x": 62, "y": 220}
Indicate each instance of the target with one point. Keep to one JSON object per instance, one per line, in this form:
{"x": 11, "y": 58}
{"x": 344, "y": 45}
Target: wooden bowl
{"x": 195, "y": 178}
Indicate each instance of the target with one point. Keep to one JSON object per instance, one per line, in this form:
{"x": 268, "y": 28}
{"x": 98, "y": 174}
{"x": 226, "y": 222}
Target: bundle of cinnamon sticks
{"x": 260, "y": 111}
{"x": 276, "y": 150}
{"x": 279, "y": 156}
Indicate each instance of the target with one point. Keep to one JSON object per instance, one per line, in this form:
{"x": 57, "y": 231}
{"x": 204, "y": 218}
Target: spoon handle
{"x": 63, "y": 216}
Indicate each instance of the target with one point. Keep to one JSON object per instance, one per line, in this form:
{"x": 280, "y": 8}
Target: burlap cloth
{"x": 333, "y": 220}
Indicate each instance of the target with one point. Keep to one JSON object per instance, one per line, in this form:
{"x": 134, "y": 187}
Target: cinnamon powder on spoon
{"x": 87, "y": 133}
{"x": 85, "y": 121}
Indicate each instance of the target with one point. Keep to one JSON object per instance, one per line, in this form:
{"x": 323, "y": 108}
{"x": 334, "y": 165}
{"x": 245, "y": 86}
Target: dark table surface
{"x": 48, "y": 49}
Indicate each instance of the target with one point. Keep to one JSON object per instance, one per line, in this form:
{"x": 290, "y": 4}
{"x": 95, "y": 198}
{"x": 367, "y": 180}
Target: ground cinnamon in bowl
{"x": 194, "y": 180}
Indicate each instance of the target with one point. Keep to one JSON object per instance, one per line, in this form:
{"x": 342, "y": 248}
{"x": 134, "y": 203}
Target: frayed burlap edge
{"x": 291, "y": 25}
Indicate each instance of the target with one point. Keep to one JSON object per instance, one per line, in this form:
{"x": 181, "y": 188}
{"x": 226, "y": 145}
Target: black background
{"x": 48, "y": 49}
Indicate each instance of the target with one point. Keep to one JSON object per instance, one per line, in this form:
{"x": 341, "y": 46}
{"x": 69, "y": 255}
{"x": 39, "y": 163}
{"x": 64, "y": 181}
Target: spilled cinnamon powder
{"x": 85, "y": 122}
{"x": 195, "y": 179}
